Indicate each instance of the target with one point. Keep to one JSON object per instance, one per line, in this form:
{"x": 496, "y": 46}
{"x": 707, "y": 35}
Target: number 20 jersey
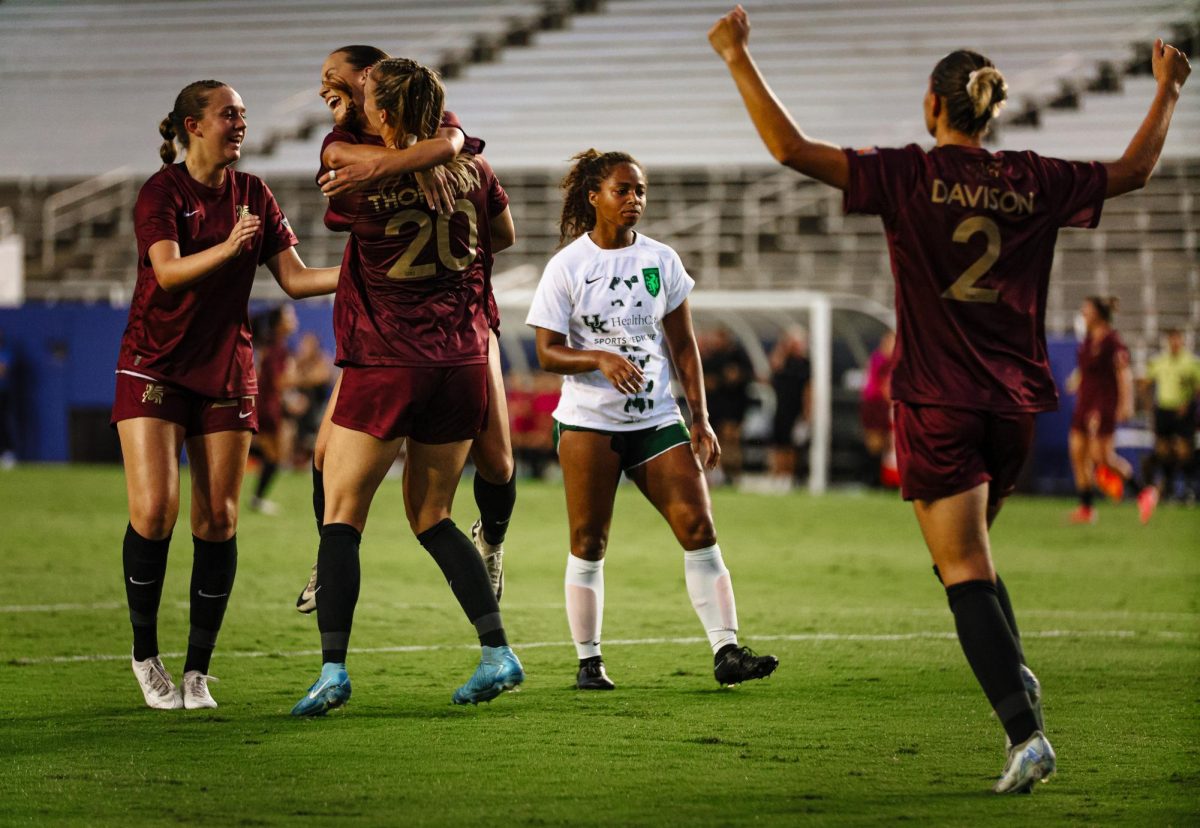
{"x": 412, "y": 289}
{"x": 971, "y": 236}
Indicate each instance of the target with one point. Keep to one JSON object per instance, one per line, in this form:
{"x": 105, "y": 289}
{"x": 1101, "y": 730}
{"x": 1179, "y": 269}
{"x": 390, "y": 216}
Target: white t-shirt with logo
{"x": 613, "y": 300}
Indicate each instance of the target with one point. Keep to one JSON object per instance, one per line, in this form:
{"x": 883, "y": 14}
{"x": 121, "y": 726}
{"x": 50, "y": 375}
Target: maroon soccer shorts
{"x": 145, "y": 397}
{"x": 945, "y": 451}
{"x": 1094, "y": 421}
{"x": 433, "y": 405}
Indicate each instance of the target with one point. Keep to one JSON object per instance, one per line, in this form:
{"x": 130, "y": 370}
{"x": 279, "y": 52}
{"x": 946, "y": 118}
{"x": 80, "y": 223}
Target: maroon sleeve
{"x": 878, "y": 179}
{"x": 154, "y": 214}
{"x": 277, "y": 233}
{"x": 472, "y": 145}
{"x": 1075, "y": 189}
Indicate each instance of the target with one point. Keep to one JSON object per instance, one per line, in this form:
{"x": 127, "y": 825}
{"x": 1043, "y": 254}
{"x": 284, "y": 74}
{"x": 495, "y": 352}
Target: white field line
{"x": 628, "y": 642}
{"x": 875, "y": 612}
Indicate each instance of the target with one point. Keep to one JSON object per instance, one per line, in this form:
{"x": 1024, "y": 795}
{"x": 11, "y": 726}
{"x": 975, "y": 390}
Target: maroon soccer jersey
{"x": 412, "y": 289}
{"x": 199, "y": 337}
{"x": 971, "y": 236}
{"x": 1099, "y": 381}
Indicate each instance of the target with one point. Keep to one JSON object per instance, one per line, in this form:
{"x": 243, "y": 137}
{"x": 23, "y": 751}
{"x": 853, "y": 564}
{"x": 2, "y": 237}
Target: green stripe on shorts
{"x": 635, "y": 447}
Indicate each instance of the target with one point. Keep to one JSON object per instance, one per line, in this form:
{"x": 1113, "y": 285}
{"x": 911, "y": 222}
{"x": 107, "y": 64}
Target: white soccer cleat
{"x": 158, "y": 689}
{"x": 1031, "y": 761}
{"x": 1033, "y": 688}
{"x": 307, "y": 602}
{"x": 493, "y": 558}
{"x": 264, "y": 507}
{"x": 195, "y": 691}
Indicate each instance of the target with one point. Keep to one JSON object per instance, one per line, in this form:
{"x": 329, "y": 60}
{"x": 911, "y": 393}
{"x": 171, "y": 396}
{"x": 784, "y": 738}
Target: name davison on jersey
{"x": 988, "y": 198}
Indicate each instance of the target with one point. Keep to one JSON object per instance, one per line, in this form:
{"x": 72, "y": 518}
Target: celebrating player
{"x": 353, "y": 156}
{"x": 1175, "y": 375}
{"x": 611, "y": 313}
{"x": 971, "y": 235}
{"x": 412, "y": 332}
{"x": 1103, "y": 383}
{"x": 185, "y": 374}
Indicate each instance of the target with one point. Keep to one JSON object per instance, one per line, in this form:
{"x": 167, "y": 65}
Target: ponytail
{"x": 167, "y": 130}
{"x": 191, "y": 102}
{"x": 585, "y": 176}
{"x": 1106, "y": 306}
{"x": 973, "y": 89}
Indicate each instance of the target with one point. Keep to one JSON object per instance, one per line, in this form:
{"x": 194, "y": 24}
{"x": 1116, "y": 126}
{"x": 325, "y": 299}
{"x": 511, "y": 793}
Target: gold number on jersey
{"x": 963, "y": 289}
{"x": 404, "y": 267}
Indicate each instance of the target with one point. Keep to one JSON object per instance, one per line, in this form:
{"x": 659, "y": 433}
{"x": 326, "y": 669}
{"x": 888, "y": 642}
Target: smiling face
{"x": 621, "y": 199}
{"x": 342, "y": 89}
{"x": 221, "y": 129}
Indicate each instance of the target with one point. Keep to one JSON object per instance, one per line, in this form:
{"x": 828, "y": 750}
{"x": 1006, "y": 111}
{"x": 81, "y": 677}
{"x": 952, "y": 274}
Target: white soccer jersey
{"x": 613, "y": 300}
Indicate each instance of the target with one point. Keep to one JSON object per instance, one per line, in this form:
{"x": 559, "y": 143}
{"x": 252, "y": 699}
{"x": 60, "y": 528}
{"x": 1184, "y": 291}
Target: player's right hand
{"x": 242, "y": 234}
{"x": 623, "y": 374}
{"x": 1170, "y": 65}
{"x": 730, "y": 34}
{"x": 435, "y": 184}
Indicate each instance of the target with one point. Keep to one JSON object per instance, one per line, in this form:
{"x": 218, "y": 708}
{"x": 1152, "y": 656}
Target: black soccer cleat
{"x": 734, "y": 664}
{"x": 592, "y": 676}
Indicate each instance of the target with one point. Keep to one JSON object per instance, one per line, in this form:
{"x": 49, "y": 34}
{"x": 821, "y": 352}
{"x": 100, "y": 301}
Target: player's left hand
{"x": 705, "y": 445}
{"x": 345, "y": 180}
{"x": 435, "y": 184}
{"x": 730, "y": 35}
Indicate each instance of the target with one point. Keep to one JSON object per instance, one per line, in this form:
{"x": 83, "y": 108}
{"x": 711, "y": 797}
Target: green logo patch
{"x": 651, "y": 280}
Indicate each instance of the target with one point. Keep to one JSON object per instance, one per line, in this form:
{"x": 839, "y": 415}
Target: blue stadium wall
{"x": 65, "y": 354}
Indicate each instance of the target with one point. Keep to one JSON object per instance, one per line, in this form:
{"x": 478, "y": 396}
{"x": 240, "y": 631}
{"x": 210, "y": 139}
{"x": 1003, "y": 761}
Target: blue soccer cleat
{"x": 331, "y": 690}
{"x": 498, "y": 670}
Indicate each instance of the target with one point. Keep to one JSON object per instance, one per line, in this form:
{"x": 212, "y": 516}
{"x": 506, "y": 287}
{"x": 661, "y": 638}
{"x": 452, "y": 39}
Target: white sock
{"x": 711, "y": 590}
{"x": 585, "y": 604}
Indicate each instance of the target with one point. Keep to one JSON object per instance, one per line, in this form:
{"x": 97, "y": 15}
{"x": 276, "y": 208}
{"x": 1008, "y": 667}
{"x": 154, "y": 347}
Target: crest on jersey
{"x": 241, "y": 211}
{"x": 651, "y": 280}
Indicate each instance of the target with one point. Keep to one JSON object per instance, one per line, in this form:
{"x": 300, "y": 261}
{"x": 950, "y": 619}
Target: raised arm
{"x": 354, "y": 166}
{"x": 175, "y": 272}
{"x": 823, "y": 161}
{"x": 685, "y": 356}
{"x": 555, "y": 356}
{"x": 1133, "y": 170}
{"x": 298, "y": 280}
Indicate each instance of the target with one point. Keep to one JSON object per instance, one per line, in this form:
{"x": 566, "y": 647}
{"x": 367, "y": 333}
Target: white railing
{"x": 66, "y": 211}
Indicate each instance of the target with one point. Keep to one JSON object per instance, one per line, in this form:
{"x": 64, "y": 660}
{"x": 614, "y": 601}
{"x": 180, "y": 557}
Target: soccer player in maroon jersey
{"x": 353, "y": 156}
{"x": 971, "y": 235}
{"x": 412, "y": 332}
{"x": 276, "y": 374}
{"x": 185, "y": 374}
{"x": 1103, "y": 385}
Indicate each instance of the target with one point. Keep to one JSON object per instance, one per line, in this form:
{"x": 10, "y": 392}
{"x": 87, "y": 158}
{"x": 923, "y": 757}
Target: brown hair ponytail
{"x": 191, "y": 102}
{"x": 590, "y": 169}
{"x": 973, "y": 89}
{"x": 1105, "y": 306}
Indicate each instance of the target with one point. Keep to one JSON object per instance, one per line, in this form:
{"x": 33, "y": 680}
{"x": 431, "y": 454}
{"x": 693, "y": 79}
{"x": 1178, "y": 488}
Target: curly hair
{"x": 591, "y": 167}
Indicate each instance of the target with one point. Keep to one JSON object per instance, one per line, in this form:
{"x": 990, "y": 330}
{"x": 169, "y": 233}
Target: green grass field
{"x": 873, "y": 716}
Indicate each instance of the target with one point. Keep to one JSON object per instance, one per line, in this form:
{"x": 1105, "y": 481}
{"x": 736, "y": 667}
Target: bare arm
{"x": 789, "y": 146}
{"x": 504, "y": 232}
{"x": 1124, "y": 387}
{"x": 299, "y": 281}
{"x": 556, "y": 357}
{"x": 1132, "y": 171}
{"x": 175, "y": 272}
{"x": 685, "y": 356}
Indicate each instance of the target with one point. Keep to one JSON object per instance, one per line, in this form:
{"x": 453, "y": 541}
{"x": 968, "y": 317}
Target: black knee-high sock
{"x": 495, "y": 506}
{"x": 145, "y": 563}
{"x": 464, "y": 570}
{"x": 318, "y": 496}
{"x": 1006, "y": 608}
{"x": 1086, "y": 496}
{"x": 265, "y": 476}
{"x": 991, "y": 650}
{"x": 214, "y": 566}
{"x": 338, "y": 579}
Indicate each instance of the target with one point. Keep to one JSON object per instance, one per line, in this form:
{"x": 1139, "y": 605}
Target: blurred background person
{"x": 276, "y": 376}
{"x": 727, "y": 377}
{"x": 790, "y": 376}
{"x": 314, "y": 381}
{"x": 875, "y": 411}
{"x": 1174, "y": 376}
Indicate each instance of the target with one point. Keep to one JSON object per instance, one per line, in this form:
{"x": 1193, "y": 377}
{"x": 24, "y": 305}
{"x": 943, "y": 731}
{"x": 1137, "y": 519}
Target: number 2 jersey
{"x": 971, "y": 236}
{"x": 413, "y": 288}
{"x": 613, "y": 300}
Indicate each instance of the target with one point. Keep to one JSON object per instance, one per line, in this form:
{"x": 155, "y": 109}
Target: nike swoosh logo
{"x": 142, "y": 583}
{"x": 189, "y": 215}
{"x": 590, "y": 281}
{"x": 244, "y": 414}
{"x": 312, "y": 694}
{"x": 204, "y": 594}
